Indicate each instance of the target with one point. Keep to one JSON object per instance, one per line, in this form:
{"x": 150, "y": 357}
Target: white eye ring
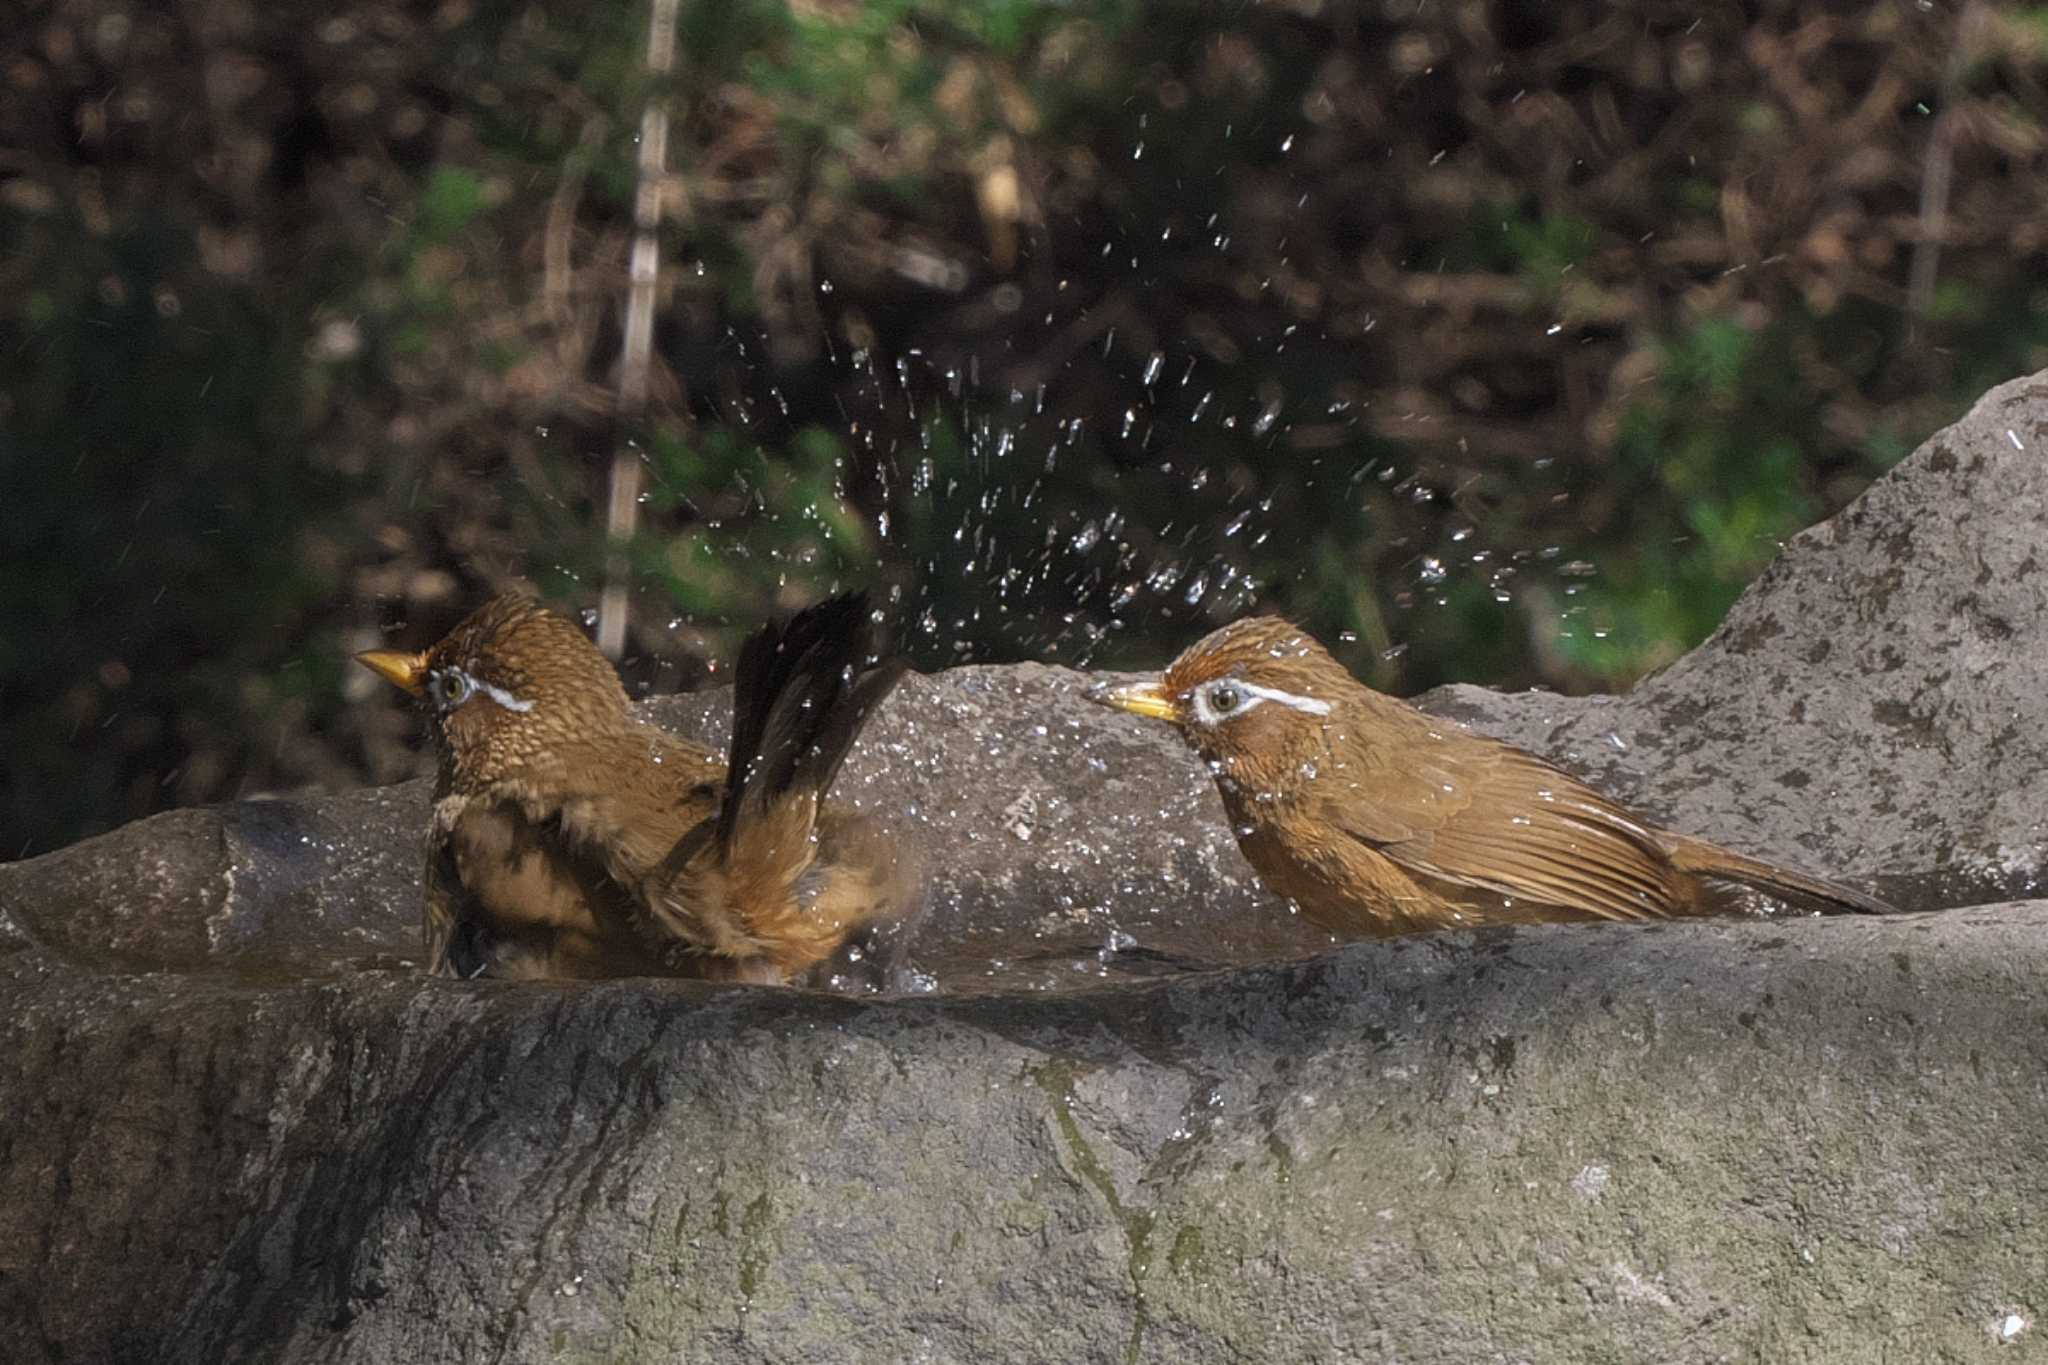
{"x": 450, "y": 687}
{"x": 1217, "y": 701}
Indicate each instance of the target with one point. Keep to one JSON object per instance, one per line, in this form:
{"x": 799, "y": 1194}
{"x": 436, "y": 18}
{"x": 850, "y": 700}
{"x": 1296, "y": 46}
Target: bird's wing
{"x": 1484, "y": 814}
{"x": 649, "y": 793}
{"x": 442, "y": 905}
{"x": 642, "y": 815}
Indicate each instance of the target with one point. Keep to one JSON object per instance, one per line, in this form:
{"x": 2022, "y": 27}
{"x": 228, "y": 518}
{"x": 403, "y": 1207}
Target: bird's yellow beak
{"x": 1138, "y": 698}
{"x": 398, "y": 668}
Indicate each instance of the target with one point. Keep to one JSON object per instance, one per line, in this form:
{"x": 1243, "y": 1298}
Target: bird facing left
{"x": 570, "y": 840}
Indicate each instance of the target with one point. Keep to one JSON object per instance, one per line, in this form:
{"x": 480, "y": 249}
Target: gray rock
{"x": 242, "y": 1128}
{"x": 292, "y": 886}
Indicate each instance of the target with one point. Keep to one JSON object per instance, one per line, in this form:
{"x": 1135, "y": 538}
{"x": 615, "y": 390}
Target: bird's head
{"x": 1252, "y": 698}
{"x": 507, "y": 686}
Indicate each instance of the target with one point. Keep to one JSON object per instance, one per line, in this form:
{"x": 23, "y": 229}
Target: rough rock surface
{"x": 1739, "y": 1141}
{"x": 240, "y": 1128}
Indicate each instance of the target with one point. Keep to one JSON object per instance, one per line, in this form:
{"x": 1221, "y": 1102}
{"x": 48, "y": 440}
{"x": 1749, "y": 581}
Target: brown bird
{"x": 1376, "y": 818}
{"x": 570, "y": 840}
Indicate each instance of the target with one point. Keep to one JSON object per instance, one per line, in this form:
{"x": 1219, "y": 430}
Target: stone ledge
{"x": 1794, "y": 1140}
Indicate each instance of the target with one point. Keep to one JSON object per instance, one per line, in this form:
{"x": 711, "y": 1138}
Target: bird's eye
{"x": 450, "y": 687}
{"x": 1223, "y": 699}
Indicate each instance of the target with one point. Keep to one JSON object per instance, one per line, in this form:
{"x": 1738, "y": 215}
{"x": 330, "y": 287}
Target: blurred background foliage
{"x": 1497, "y": 342}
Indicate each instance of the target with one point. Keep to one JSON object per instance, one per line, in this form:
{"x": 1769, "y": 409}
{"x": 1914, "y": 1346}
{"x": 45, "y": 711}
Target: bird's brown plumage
{"x": 1376, "y": 818}
{"x": 570, "y": 840}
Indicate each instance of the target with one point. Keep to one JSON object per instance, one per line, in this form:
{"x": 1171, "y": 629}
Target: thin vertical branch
{"x": 622, "y": 513}
{"x": 1937, "y": 172}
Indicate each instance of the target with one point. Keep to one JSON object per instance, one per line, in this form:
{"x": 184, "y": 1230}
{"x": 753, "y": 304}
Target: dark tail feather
{"x": 1708, "y": 860}
{"x": 799, "y": 700}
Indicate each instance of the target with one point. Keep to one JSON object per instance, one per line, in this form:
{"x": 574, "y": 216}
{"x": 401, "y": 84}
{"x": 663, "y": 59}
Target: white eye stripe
{"x": 501, "y": 696}
{"x": 1310, "y": 705}
{"x": 448, "y": 697}
{"x": 1251, "y": 694}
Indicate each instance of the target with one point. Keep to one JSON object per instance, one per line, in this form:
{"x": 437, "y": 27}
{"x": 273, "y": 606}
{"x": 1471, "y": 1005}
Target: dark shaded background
{"x": 1496, "y": 341}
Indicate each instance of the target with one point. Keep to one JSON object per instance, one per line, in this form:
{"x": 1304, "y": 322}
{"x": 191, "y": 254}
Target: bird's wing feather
{"x": 634, "y": 820}
{"x": 1564, "y": 843}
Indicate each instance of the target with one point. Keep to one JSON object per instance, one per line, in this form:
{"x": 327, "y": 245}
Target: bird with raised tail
{"x": 1376, "y": 818}
{"x": 569, "y": 839}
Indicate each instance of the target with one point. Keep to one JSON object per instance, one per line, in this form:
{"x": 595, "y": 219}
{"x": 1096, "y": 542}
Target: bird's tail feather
{"x": 801, "y": 693}
{"x": 1710, "y": 860}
